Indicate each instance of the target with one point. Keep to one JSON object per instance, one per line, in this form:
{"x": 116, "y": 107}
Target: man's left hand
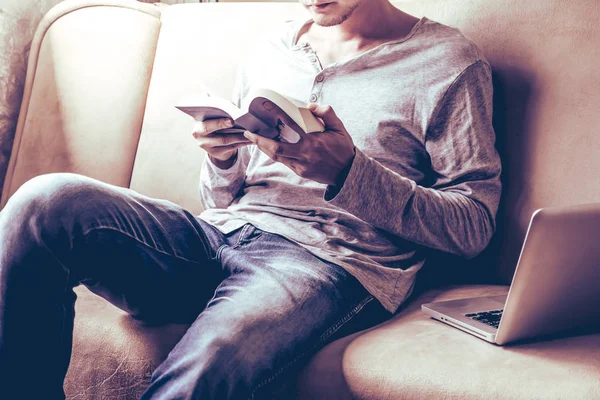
{"x": 323, "y": 157}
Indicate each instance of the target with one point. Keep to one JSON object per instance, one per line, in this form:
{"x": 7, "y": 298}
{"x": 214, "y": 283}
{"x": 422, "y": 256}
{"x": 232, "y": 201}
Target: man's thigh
{"x": 278, "y": 306}
{"x": 150, "y": 257}
{"x": 147, "y": 256}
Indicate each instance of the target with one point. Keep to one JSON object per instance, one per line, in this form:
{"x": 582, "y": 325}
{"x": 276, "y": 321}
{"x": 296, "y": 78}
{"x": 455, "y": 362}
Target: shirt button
{"x": 313, "y": 98}
{"x": 320, "y": 78}
{"x": 313, "y": 59}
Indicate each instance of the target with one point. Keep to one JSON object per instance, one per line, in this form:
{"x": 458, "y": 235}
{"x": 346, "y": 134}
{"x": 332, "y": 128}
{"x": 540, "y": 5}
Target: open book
{"x": 263, "y": 111}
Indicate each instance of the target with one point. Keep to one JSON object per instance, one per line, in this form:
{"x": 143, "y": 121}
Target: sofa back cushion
{"x": 85, "y": 92}
{"x": 544, "y": 55}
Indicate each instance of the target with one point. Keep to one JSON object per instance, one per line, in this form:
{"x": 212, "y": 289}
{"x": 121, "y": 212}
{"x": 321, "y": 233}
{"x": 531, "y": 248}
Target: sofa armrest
{"x": 85, "y": 92}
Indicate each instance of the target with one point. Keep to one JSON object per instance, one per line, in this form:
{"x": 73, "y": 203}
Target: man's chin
{"x": 332, "y": 20}
{"x": 326, "y": 21}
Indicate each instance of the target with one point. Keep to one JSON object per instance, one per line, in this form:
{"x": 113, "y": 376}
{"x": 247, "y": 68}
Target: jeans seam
{"x": 219, "y": 252}
{"x": 241, "y": 236}
{"x": 326, "y": 335}
{"x": 109, "y": 228}
{"x": 243, "y": 239}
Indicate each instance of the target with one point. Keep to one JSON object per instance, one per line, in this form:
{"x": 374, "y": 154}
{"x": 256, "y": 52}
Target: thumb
{"x": 329, "y": 116}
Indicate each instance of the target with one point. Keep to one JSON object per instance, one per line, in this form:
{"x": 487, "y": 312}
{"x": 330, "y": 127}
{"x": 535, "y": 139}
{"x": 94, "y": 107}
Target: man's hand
{"x": 221, "y": 147}
{"x": 323, "y": 157}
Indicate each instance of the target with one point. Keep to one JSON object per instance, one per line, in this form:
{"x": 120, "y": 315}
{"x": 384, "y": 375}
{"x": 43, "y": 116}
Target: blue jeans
{"x": 259, "y": 305}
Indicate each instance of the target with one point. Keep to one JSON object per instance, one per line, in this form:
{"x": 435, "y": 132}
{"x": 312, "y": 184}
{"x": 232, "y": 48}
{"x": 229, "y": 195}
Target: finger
{"x": 230, "y": 145}
{"x": 223, "y": 139}
{"x": 273, "y": 148}
{"x": 225, "y": 150}
{"x": 326, "y": 113}
{"x": 211, "y": 146}
{"x": 208, "y": 126}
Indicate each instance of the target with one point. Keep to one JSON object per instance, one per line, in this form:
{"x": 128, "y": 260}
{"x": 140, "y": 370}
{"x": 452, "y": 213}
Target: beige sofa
{"x": 102, "y": 80}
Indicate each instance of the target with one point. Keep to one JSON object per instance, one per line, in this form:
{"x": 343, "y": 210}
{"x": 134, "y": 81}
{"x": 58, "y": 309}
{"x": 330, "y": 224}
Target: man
{"x": 298, "y": 240}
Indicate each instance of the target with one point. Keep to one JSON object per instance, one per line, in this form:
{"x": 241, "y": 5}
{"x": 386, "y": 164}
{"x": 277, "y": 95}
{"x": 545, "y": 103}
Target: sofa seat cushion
{"x": 409, "y": 356}
{"x": 414, "y": 357}
{"x": 114, "y": 354}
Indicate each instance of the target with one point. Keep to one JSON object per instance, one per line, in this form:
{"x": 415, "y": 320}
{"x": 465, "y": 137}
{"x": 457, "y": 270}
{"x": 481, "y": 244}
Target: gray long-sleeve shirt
{"x": 426, "y": 173}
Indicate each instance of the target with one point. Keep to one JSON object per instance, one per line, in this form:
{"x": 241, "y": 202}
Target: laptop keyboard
{"x": 491, "y": 318}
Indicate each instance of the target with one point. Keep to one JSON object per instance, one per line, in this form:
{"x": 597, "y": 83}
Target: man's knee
{"x": 51, "y": 198}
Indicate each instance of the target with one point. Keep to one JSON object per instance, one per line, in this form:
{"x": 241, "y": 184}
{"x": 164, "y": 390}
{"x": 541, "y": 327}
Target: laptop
{"x": 555, "y": 288}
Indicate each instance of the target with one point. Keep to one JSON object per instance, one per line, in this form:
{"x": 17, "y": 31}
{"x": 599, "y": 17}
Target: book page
{"x": 313, "y": 123}
{"x": 208, "y": 107}
{"x": 263, "y": 112}
{"x": 284, "y": 127}
{"x": 286, "y": 105}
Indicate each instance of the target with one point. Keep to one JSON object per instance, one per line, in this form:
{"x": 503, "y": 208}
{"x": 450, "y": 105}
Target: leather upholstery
{"x": 414, "y": 357}
{"x": 113, "y": 354}
{"x": 86, "y": 88}
{"x": 84, "y": 105}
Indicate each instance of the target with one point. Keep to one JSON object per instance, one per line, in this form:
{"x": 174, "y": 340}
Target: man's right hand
{"x": 221, "y": 147}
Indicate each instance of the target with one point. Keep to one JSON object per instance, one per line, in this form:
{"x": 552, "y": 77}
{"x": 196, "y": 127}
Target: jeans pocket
{"x": 248, "y": 233}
